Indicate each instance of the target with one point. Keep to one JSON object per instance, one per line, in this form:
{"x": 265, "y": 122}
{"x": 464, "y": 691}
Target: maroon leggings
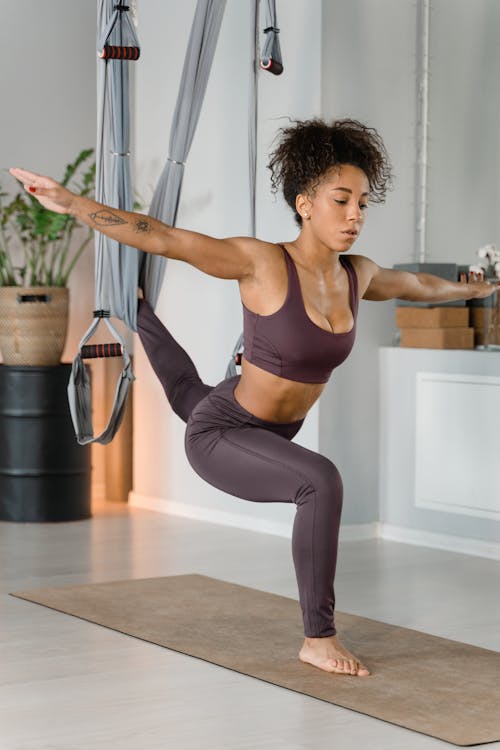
{"x": 255, "y": 460}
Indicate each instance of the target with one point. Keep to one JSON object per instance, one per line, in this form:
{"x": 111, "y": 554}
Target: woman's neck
{"x": 315, "y": 256}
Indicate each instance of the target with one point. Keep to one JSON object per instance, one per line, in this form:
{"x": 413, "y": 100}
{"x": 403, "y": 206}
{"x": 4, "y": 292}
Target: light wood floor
{"x": 66, "y": 684}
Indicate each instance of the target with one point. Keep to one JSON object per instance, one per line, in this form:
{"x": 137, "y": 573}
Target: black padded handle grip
{"x": 274, "y": 67}
{"x": 98, "y": 351}
{"x": 112, "y": 52}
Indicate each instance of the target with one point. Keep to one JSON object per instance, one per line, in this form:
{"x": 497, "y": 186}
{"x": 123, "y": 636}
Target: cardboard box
{"x": 432, "y": 317}
{"x": 438, "y": 338}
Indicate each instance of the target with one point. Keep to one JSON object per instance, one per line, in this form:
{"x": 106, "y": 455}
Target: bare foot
{"x": 331, "y": 656}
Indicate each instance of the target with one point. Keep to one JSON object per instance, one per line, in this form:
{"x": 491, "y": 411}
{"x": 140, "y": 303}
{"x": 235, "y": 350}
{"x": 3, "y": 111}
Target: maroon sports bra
{"x": 288, "y": 343}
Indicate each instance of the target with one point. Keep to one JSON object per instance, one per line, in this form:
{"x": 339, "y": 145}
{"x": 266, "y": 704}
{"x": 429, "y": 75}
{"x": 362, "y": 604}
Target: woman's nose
{"x": 354, "y": 211}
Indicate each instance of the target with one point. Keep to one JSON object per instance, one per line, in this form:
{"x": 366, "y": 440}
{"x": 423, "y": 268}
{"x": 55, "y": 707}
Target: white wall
{"x": 464, "y": 137}
{"x": 369, "y": 74}
{"x": 202, "y": 312}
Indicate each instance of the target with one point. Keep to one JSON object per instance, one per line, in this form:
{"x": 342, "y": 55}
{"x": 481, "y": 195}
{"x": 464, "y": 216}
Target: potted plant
{"x": 37, "y": 256}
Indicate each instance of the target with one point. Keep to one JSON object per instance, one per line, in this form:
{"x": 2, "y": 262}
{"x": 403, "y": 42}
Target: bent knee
{"x": 328, "y": 475}
{"x": 324, "y": 482}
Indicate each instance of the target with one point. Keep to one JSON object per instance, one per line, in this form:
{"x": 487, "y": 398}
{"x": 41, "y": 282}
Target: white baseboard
{"x": 463, "y": 545}
{"x": 249, "y": 523}
{"x": 348, "y": 533}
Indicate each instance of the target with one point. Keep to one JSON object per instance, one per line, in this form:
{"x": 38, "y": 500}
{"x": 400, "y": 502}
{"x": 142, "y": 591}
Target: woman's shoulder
{"x": 268, "y": 282}
{"x": 264, "y": 254}
{"x": 259, "y": 247}
{"x": 364, "y": 268}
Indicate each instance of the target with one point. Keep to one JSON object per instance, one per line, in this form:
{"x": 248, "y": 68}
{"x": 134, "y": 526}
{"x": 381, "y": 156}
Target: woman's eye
{"x": 343, "y": 203}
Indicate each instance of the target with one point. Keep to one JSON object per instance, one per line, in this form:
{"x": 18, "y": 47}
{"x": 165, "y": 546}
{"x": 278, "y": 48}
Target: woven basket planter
{"x": 33, "y": 324}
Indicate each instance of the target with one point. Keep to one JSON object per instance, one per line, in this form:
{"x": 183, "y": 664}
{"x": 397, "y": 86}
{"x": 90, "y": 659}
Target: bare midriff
{"x": 272, "y": 398}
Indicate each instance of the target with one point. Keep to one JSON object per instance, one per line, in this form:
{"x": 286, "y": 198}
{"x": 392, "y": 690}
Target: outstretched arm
{"x": 385, "y": 283}
{"x": 231, "y": 258}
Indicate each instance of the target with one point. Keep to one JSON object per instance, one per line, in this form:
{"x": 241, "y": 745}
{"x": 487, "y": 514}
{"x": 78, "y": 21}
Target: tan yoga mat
{"x": 442, "y": 688}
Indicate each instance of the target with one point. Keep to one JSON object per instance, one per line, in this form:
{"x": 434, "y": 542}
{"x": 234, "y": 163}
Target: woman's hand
{"x": 478, "y": 285}
{"x": 50, "y": 193}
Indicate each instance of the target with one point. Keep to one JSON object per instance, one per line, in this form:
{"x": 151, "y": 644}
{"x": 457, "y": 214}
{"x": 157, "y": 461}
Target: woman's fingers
{"x": 24, "y": 175}
{"x": 483, "y": 287}
{"x": 50, "y": 193}
{"x": 31, "y": 178}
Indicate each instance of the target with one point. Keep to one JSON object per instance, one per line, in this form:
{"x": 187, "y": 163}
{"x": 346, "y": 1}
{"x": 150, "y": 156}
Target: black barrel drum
{"x": 44, "y": 473}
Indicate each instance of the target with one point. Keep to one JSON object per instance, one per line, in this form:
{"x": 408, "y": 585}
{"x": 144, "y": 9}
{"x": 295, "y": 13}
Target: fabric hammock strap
{"x": 198, "y": 60}
{"x": 80, "y": 392}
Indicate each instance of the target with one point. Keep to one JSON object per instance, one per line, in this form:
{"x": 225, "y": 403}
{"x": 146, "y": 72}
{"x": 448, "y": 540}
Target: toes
{"x": 351, "y": 667}
{"x": 338, "y": 666}
{"x": 342, "y": 666}
{"x": 363, "y": 671}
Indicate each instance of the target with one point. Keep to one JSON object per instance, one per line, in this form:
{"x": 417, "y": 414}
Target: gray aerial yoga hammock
{"x": 118, "y": 273}
{"x": 116, "y": 41}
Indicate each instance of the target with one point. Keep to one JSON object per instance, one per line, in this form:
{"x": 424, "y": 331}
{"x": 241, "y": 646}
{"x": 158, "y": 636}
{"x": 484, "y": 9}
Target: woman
{"x": 300, "y": 302}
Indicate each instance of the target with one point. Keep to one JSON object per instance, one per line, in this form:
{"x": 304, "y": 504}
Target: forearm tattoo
{"x": 142, "y": 226}
{"x": 106, "y": 219}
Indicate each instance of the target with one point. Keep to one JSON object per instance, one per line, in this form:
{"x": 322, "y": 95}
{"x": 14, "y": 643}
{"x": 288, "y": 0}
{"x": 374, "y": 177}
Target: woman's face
{"x": 335, "y": 213}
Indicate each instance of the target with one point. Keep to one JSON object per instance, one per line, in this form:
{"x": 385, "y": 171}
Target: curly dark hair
{"x": 310, "y": 148}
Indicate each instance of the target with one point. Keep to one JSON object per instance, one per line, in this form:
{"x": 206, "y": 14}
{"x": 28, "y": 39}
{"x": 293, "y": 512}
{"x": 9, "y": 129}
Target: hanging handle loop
{"x": 79, "y": 387}
{"x": 270, "y": 57}
{"x": 108, "y": 51}
{"x": 99, "y": 351}
{"x": 271, "y": 51}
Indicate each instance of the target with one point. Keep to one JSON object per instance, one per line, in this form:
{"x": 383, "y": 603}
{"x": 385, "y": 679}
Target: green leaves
{"x": 71, "y": 169}
{"x": 43, "y": 238}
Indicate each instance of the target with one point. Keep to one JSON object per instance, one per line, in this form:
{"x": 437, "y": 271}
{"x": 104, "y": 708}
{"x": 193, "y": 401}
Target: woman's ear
{"x": 303, "y": 206}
